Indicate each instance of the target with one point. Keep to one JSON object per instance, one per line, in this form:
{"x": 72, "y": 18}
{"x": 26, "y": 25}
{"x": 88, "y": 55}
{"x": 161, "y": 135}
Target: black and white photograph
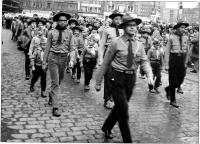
{"x": 100, "y": 71}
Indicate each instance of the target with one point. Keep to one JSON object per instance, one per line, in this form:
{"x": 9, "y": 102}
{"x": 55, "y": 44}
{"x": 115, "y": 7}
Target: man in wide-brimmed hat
{"x": 176, "y": 58}
{"x": 59, "y": 44}
{"x": 124, "y": 56}
{"x": 72, "y": 23}
{"x": 108, "y": 35}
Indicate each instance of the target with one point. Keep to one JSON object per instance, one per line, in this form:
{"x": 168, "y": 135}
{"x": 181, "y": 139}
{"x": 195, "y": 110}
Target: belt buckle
{"x": 128, "y": 72}
{"x": 179, "y": 54}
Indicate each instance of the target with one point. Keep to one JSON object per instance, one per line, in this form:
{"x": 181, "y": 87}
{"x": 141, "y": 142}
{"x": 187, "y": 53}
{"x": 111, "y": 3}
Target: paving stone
{"x": 74, "y": 133}
{"x": 20, "y": 136}
{"x": 67, "y": 124}
{"x": 64, "y": 129}
{"x": 46, "y": 130}
{"x": 58, "y": 134}
{"x": 78, "y": 128}
{"x": 40, "y": 135}
{"x": 53, "y": 121}
{"x": 15, "y": 140}
{"x": 33, "y": 140}
{"x": 16, "y": 127}
{"x": 25, "y": 131}
{"x": 66, "y": 139}
{"x": 34, "y": 126}
{"x": 51, "y": 139}
{"x": 52, "y": 125}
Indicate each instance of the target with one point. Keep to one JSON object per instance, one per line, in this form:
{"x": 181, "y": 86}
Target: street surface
{"x": 26, "y": 117}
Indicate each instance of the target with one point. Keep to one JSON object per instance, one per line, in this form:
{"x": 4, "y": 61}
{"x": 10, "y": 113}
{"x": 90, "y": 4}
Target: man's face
{"x": 62, "y": 21}
{"x": 181, "y": 29}
{"x": 40, "y": 32}
{"x": 33, "y": 24}
{"x": 85, "y": 32}
{"x": 76, "y": 32}
{"x": 73, "y": 24}
{"x": 117, "y": 20}
{"x": 48, "y": 24}
{"x": 40, "y": 24}
{"x": 131, "y": 28}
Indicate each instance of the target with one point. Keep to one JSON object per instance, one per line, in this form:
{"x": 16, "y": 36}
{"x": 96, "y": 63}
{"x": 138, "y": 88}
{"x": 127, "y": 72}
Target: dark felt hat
{"x": 73, "y": 21}
{"x": 180, "y": 24}
{"x": 115, "y": 14}
{"x": 32, "y": 20}
{"x": 56, "y": 17}
{"x": 78, "y": 28}
{"x": 127, "y": 18}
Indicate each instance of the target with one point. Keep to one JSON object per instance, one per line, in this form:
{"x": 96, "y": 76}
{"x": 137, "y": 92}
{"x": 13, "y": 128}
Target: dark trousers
{"x": 121, "y": 89}
{"x": 107, "y": 85}
{"x": 141, "y": 70}
{"x": 156, "y": 69}
{"x": 39, "y": 72}
{"x": 27, "y": 64}
{"x": 177, "y": 72}
{"x": 77, "y": 69}
{"x": 89, "y": 65}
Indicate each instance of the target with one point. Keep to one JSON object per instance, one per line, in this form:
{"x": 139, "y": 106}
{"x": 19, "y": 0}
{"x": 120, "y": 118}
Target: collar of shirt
{"x": 126, "y": 38}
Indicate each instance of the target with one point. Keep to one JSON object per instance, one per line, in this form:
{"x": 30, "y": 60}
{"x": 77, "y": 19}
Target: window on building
{"x": 48, "y": 5}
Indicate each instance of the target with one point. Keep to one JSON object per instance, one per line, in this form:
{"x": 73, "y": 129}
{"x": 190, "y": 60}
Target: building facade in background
{"x": 149, "y": 11}
{"x": 11, "y": 6}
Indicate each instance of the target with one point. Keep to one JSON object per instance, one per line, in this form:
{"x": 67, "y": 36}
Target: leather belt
{"x": 129, "y": 72}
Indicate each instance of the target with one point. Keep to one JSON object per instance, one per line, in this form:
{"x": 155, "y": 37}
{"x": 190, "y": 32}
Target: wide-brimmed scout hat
{"x": 180, "y": 24}
{"x": 32, "y": 20}
{"x": 78, "y": 28}
{"x": 89, "y": 24}
{"x": 56, "y": 16}
{"x": 145, "y": 30}
{"x": 73, "y": 21}
{"x": 115, "y": 14}
{"x": 127, "y": 18}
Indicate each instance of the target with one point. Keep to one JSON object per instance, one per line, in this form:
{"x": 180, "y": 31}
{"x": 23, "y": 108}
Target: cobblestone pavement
{"x": 26, "y": 117}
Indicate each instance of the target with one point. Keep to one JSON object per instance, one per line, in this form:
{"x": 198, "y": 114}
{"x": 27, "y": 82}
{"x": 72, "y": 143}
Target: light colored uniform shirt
{"x": 173, "y": 46}
{"x": 67, "y": 42}
{"x": 117, "y": 57}
{"x": 108, "y": 35}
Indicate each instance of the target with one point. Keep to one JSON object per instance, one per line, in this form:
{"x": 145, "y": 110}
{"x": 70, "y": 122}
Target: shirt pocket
{"x": 66, "y": 40}
{"x": 175, "y": 45}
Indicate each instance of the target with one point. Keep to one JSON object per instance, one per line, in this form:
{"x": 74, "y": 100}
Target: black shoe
{"x": 108, "y": 134}
{"x": 174, "y": 104}
{"x": 55, "y": 112}
{"x": 50, "y": 101}
{"x": 193, "y": 71}
{"x": 167, "y": 93}
{"x": 43, "y": 95}
{"x": 27, "y": 77}
{"x": 32, "y": 89}
{"x": 67, "y": 70}
{"x": 179, "y": 90}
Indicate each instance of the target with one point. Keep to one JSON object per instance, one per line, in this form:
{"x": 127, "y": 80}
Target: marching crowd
{"x": 116, "y": 48}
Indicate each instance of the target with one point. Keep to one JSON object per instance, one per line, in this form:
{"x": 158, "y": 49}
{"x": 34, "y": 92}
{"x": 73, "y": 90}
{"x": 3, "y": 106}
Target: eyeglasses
{"x": 131, "y": 25}
{"x": 62, "y": 20}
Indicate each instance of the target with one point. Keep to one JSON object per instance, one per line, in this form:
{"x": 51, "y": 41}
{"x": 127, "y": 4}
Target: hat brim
{"x": 143, "y": 32}
{"x": 112, "y": 16}
{"x": 180, "y": 24}
{"x": 73, "y": 21}
{"x": 56, "y": 17}
{"x": 77, "y": 29}
{"x": 89, "y": 25}
{"x": 32, "y": 21}
{"x": 136, "y": 20}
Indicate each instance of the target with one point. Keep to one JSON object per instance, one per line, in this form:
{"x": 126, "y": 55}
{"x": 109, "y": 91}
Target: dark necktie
{"x": 130, "y": 54}
{"x": 181, "y": 42}
{"x": 117, "y": 31}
